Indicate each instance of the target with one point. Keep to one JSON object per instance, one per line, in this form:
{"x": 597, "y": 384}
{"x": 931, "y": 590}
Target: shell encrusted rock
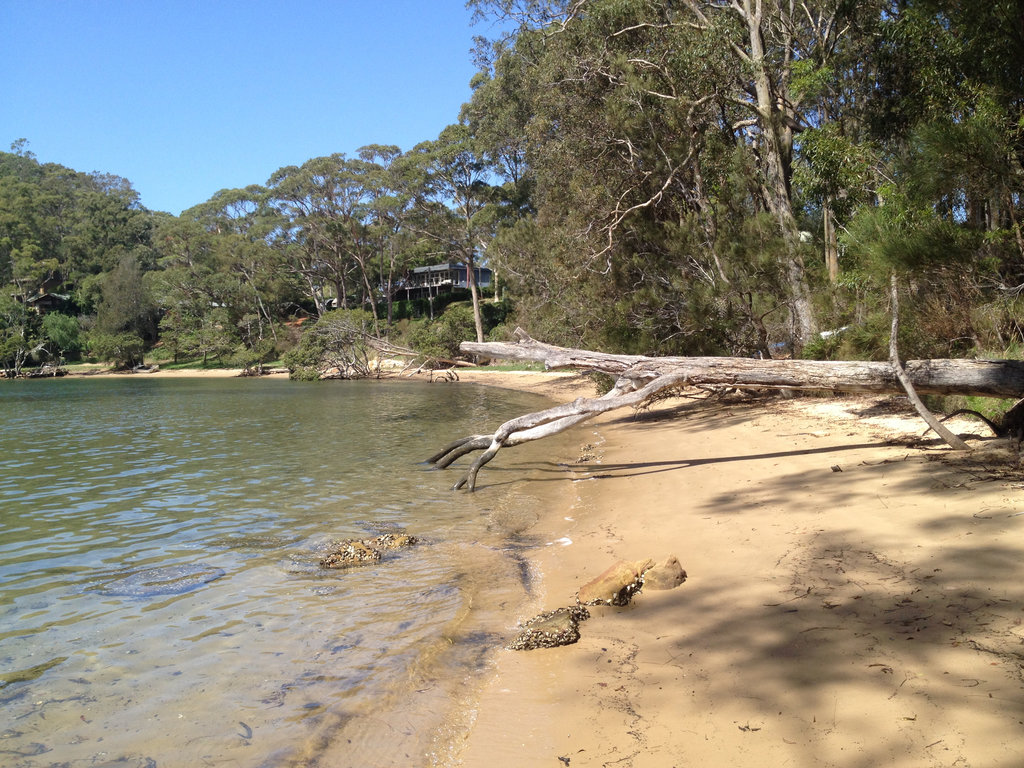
{"x": 353, "y": 552}
{"x": 551, "y": 629}
{"x": 393, "y": 541}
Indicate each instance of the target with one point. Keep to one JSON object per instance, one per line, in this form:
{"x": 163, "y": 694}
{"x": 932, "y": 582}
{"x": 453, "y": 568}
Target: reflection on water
{"x": 160, "y": 598}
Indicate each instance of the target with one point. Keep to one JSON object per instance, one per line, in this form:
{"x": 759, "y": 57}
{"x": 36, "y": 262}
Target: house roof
{"x": 451, "y": 265}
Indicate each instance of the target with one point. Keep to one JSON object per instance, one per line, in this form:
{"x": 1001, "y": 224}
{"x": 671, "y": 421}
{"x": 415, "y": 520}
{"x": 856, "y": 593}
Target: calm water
{"x": 161, "y": 602}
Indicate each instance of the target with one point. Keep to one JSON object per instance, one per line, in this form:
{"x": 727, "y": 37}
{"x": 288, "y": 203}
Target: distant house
{"x": 45, "y": 299}
{"x": 47, "y": 302}
{"x": 441, "y": 278}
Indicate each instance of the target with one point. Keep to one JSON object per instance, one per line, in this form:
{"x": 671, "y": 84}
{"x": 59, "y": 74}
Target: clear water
{"x": 122, "y": 501}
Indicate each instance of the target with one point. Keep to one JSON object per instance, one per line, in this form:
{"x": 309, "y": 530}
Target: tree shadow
{"x": 638, "y": 468}
{"x": 859, "y": 650}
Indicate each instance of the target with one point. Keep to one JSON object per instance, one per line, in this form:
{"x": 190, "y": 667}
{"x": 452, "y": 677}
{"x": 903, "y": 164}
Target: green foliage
{"x": 252, "y": 358}
{"x": 19, "y": 336}
{"x": 122, "y": 350}
{"x": 639, "y": 182}
{"x": 440, "y": 338}
{"x": 64, "y": 333}
{"x": 125, "y": 306}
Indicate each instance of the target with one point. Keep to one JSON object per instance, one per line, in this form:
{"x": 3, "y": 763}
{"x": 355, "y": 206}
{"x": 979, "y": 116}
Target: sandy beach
{"x": 854, "y": 595}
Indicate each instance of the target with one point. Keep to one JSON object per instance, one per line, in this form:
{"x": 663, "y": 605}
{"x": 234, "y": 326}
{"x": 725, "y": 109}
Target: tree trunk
{"x": 983, "y": 378}
{"x": 831, "y": 242}
{"x": 474, "y": 294}
{"x": 776, "y": 149}
{"x": 639, "y": 378}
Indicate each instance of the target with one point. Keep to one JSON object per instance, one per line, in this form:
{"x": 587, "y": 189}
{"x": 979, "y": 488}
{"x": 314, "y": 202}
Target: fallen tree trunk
{"x": 639, "y": 378}
{"x": 982, "y": 378}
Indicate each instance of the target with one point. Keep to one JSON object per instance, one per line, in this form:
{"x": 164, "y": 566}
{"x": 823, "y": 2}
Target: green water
{"x": 161, "y": 600}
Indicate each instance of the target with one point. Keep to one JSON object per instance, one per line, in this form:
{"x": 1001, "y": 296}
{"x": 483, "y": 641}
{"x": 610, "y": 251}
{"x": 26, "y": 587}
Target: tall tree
{"x": 454, "y": 199}
{"x": 325, "y": 206}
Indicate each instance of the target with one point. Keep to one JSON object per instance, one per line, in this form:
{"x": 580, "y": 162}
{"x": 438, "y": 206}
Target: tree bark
{"x": 639, "y": 378}
{"x": 831, "y": 242}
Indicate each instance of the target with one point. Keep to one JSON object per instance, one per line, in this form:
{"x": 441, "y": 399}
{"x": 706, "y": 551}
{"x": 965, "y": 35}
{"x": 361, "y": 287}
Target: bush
{"x": 338, "y": 340}
{"x": 440, "y": 339}
{"x": 64, "y": 334}
{"x": 122, "y": 350}
{"x": 253, "y": 357}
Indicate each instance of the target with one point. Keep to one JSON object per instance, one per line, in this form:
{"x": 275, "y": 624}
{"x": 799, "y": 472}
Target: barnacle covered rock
{"x": 351, "y": 553}
{"x": 392, "y": 541}
{"x": 551, "y": 629}
{"x": 363, "y": 551}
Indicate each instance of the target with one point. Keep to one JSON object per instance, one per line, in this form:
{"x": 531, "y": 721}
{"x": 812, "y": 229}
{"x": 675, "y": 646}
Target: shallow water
{"x": 161, "y": 600}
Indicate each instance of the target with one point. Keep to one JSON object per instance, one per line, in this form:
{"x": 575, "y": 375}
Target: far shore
{"x": 550, "y": 383}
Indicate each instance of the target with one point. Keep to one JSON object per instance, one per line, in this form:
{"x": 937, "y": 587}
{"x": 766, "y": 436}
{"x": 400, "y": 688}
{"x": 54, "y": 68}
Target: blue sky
{"x": 184, "y": 98}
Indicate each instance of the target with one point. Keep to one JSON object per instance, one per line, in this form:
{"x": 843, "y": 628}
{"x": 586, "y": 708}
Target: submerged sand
{"x": 852, "y": 600}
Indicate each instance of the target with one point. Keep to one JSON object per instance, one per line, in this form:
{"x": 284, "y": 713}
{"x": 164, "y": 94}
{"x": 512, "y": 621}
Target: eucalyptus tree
{"x": 62, "y": 230}
{"x": 243, "y": 224}
{"x": 694, "y": 139}
{"x": 389, "y": 208}
{"x": 454, "y": 201}
{"x": 221, "y": 282}
{"x": 325, "y": 207}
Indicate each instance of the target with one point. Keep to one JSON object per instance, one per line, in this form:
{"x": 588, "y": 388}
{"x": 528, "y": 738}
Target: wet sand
{"x": 852, "y": 600}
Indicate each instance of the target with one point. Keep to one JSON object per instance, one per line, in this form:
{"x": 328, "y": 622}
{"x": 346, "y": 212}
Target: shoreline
{"x": 553, "y": 384}
{"x": 852, "y": 599}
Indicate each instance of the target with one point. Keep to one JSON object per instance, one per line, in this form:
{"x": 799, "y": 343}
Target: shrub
{"x": 122, "y": 350}
{"x": 440, "y": 339}
{"x": 337, "y": 340}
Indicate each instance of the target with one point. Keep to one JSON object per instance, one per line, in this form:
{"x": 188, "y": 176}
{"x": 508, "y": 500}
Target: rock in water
{"x": 351, "y": 553}
{"x": 551, "y": 629}
{"x": 666, "y": 575}
{"x": 169, "y": 580}
{"x": 617, "y": 585}
{"x": 392, "y": 541}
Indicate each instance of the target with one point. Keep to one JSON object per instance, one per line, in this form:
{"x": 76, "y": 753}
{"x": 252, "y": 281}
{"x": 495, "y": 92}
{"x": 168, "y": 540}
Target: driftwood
{"x": 639, "y": 378}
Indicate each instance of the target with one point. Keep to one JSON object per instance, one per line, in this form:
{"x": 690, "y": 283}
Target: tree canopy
{"x": 730, "y": 177}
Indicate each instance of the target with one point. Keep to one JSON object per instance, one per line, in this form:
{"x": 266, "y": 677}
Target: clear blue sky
{"x": 184, "y": 98}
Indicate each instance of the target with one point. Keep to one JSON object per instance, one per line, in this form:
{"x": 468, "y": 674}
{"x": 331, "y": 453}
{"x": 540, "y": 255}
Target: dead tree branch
{"x": 894, "y": 357}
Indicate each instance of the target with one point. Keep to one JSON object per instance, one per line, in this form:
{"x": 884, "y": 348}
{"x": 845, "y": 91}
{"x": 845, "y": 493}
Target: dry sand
{"x": 850, "y": 601}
